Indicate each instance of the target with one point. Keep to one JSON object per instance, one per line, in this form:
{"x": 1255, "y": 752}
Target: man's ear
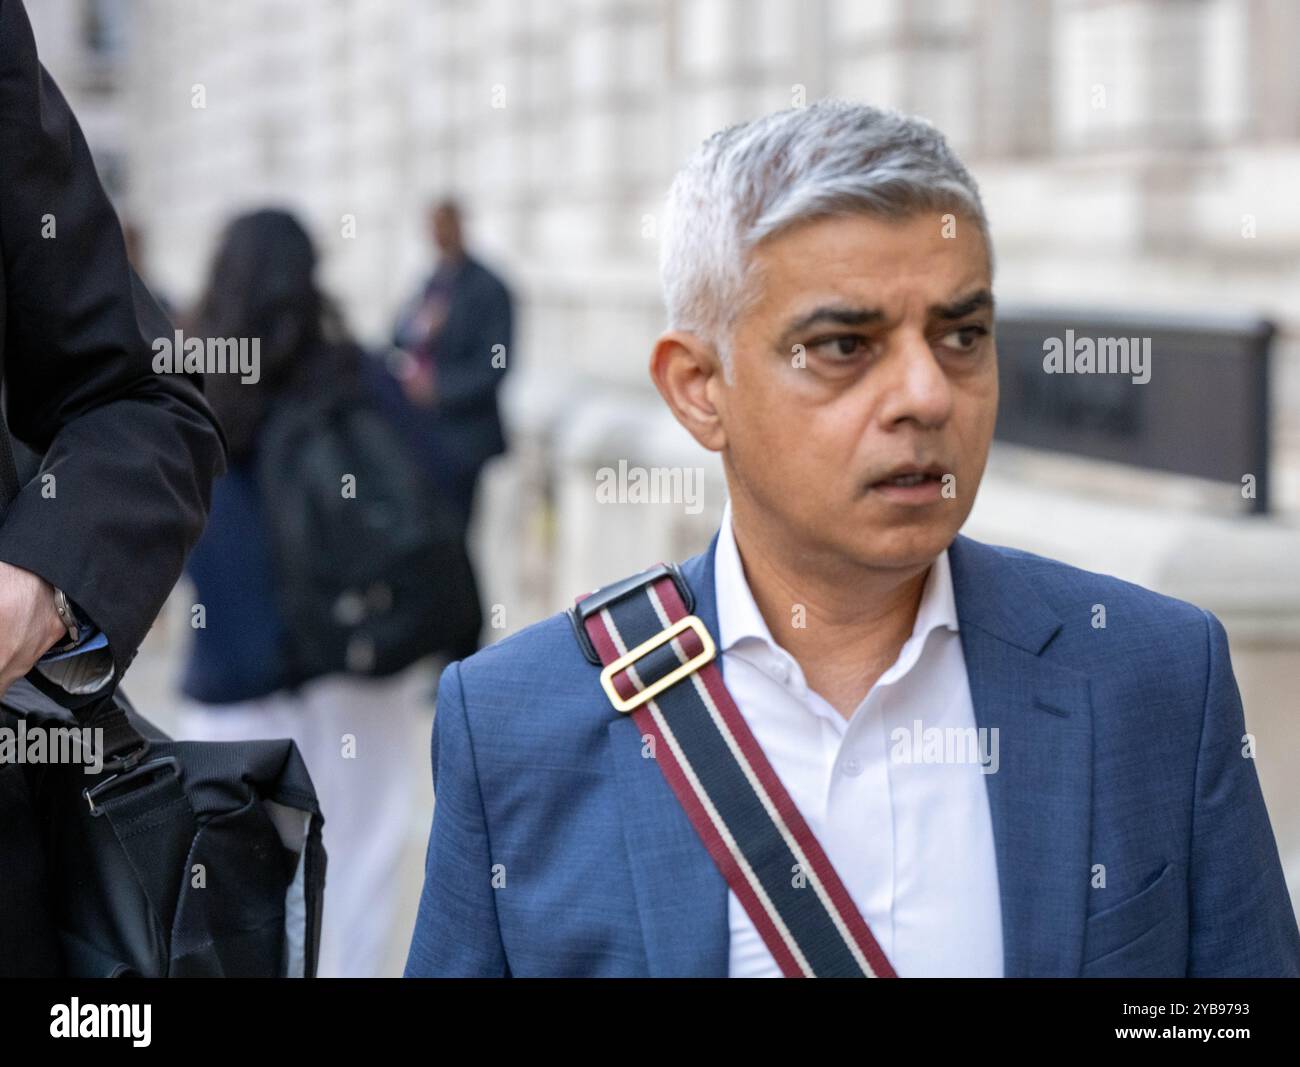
{"x": 687, "y": 371}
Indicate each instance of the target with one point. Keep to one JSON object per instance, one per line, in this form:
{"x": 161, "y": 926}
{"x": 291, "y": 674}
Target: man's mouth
{"x": 908, "y": 479}
{"x": 905, "y": 476}
{"x": 911, "y": 484}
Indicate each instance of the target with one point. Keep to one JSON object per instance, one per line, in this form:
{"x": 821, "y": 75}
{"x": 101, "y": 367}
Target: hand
{"x": 29, "y": 625}
{"x": 419, "y": 385}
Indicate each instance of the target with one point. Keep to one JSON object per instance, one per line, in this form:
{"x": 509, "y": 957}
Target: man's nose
{"x": 916, "y": 389}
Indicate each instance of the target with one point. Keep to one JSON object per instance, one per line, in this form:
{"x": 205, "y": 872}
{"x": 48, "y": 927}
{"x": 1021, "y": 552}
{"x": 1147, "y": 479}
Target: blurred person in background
{"x": 241, "y": 678}
{"x": 451, "y": 345}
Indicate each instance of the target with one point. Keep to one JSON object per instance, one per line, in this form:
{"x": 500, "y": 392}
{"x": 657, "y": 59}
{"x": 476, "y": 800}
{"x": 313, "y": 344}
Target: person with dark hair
{"x": 262, "y": 287}
{"x": 241, "y": 677}
{"x": 90, "y": 546}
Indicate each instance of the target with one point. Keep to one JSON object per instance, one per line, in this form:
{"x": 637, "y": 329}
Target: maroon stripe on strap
{"x": 623, "y": 684}
{"x": 711, "y": 675}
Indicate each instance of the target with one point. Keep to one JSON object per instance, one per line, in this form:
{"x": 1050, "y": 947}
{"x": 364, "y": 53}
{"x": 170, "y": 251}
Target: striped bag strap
{"x": 660, "y": 666}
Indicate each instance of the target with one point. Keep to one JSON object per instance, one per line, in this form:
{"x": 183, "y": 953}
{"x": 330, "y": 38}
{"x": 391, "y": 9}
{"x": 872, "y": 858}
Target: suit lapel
{"x": 681, "y": 896}
{"x": 1040, "y": 798}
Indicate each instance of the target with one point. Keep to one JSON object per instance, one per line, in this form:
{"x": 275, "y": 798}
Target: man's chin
{"x": 895, "y": 548}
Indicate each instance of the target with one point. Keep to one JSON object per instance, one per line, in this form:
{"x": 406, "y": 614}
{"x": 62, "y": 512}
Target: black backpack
{"x": 371, "y": 565}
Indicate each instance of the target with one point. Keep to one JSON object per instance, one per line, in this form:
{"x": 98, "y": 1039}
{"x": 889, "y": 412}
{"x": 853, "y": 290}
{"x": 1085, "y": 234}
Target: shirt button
{"x": 852, "y": 767}
{"x": 781, "y": 670}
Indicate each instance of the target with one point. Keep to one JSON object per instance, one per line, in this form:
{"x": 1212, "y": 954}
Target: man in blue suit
{"x": 1001, "y": 765}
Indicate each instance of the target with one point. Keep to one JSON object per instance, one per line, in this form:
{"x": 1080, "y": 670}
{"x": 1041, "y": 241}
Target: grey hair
{"x": 753, "y": 180}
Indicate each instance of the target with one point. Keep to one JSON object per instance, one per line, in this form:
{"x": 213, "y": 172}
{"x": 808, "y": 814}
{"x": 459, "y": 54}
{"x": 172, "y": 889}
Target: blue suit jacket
{"x": 556, "y": 849}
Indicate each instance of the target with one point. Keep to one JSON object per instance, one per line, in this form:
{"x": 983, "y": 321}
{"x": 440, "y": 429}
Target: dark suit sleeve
{"x": 456, "y": 931}
{"x": 469, "y": 380}
{"x": 1242, "y": 922}
{"x": 132, "y": 453}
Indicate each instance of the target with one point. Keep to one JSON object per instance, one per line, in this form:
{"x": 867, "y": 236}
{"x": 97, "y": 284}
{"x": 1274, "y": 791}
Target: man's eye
{"x": 964, "y": 339}
{"x": 842, "y": 347}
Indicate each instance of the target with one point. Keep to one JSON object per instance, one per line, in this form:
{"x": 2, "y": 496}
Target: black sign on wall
{"x": 1185, "y": 394}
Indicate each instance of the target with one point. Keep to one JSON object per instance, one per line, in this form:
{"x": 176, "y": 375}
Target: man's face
{"x": 444, "y": 228}
{"x": 868, "y": 353}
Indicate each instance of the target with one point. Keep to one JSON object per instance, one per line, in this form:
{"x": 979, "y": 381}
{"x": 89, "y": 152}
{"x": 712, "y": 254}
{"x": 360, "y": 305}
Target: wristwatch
{"x": 67, "y": 616}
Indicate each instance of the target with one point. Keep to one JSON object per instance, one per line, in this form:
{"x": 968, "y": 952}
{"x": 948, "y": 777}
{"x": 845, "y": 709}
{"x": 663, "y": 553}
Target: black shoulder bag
{"x": 172, "y": 859}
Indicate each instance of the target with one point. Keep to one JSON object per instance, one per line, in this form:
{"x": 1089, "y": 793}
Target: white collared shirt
{"x": 911, "y": 838}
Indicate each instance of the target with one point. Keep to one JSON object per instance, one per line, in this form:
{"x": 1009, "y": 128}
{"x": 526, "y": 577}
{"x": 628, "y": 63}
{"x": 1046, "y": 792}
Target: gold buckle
{"x": 689, "y": 622}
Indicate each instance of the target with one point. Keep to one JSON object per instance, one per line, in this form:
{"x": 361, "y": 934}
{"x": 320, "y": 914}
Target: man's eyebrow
{"x": 846, "y": 315}
{"x": 836, "y": 314}
{"x": 959, "y": 309}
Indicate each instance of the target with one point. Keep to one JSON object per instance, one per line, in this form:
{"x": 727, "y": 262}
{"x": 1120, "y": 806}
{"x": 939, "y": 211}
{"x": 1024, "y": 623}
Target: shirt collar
{"x": 739, "y": 617}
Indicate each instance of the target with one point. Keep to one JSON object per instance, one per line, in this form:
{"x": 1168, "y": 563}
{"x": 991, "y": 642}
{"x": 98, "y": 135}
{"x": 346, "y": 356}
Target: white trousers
{"x": 365, "y": 743}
